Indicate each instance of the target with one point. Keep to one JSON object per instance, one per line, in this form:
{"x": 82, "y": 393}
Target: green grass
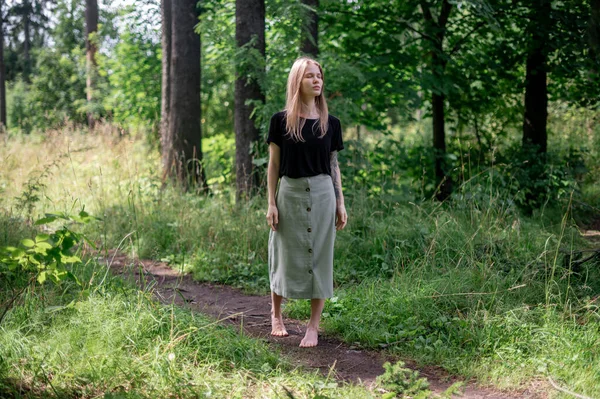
{"x": 114, "y": 340}
{"x": 471, "y": 285}
{"x": 481, "y": 291}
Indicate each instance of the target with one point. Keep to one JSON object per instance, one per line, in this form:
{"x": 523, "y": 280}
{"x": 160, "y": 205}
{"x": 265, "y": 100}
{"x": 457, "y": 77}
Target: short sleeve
{"x": 275, "y": 130}
{"x": 336, "y": 139}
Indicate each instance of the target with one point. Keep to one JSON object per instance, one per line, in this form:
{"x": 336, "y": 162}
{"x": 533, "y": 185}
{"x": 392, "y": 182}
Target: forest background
{"x": 470, "y": 172}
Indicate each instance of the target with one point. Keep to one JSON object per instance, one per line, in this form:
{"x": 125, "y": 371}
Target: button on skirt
{"x": 301, "y": 250}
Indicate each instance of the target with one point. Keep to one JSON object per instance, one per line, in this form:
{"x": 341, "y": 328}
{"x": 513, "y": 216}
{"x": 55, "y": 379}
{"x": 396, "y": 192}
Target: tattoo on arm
{"x": 335, "y": 176}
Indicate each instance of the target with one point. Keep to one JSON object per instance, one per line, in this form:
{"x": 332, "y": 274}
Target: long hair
{"x": 293, "y": 103}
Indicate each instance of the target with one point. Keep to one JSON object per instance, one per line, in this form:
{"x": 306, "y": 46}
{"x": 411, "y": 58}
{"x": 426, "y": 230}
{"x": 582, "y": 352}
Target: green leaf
{"x": 259, "y": 161}
{"x": 17, "y": 253}
{"x": 51, "y": 266}
{"x": 57, "y": 215}
{"x": 69, "y": 259}
{"x": 59, "y": 275}
{"x": 43, "y": 245}
{"x": 33, "y": 260}
{"x": 27, "y": 242}
{"x": 41, "y": 251}
{"x": 42, "y": 237}
{"x": 41, "y": 277}
{"x": 45, "y": 220}
{"x": 83, "y": 217}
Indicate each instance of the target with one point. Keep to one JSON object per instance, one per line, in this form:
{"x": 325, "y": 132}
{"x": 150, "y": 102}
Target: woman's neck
{"x": 309, "y": 108}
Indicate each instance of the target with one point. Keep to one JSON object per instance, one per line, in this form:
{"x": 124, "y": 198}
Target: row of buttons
{"x": 309, "y": 230}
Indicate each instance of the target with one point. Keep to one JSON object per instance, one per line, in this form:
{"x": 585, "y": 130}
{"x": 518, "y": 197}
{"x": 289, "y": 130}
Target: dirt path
{"x": 252, "y": 312}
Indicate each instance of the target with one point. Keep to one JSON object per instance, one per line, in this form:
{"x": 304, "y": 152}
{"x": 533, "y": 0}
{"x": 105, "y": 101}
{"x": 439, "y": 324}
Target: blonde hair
{"x": 293, "y": 103}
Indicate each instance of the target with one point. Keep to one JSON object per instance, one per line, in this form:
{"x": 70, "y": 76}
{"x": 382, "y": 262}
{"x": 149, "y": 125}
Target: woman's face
{"x": 312, "y": 81}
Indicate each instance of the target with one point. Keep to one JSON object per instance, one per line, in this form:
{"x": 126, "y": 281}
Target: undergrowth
{"x": 96, "y": 336}
{"x": 472, "y": 284}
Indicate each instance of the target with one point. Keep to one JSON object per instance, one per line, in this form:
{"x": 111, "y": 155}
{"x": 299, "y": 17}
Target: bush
{"x": 45, "y": 257}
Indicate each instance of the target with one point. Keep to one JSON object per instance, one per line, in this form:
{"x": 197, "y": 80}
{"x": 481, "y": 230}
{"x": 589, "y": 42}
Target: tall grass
{"x": 475, "y": 288}
{"x": 113, "y": 340}
{"x": 472, "y": 284}
{"x": 106, "y": 338}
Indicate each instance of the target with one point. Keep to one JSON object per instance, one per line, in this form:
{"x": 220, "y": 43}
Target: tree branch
{"x": 426, "y": 12}
{"x": 404, "y": 23}
{"x": 459, "y": 42}
{"x": 444, "y": 15}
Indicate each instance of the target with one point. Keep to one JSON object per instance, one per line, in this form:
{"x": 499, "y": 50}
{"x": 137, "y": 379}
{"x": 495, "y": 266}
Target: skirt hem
{"x": 298, "y": 296}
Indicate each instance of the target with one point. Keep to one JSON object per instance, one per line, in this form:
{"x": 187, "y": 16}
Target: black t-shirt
{"x": 310, "y": 157}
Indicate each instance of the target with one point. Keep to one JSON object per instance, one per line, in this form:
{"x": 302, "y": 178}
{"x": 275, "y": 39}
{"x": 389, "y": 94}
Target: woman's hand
{"x": 273, "y": 217}
{"x": 341, "y": 217}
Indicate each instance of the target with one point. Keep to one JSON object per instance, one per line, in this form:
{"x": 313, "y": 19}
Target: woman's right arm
{"x": 272, "y": 178}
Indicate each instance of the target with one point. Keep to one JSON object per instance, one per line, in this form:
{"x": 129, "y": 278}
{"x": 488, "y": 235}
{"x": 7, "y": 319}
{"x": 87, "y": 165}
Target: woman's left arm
{"x": 336, "y": 177}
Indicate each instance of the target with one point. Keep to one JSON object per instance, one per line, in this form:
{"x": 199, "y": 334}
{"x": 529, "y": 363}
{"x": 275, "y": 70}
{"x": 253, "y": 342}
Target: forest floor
{"x": 251, "y": 313}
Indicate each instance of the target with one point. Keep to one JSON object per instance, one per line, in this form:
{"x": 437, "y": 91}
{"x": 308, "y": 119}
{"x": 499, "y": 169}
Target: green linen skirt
{"x": 301, "y": 250}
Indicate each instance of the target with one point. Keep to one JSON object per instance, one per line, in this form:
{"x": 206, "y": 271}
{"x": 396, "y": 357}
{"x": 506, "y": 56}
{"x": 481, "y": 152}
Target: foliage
{"x": 46, "y": 257}
{"x": 135, "y": 78}
{"x": 216, "y": 28}
{"x": 53, "y": 96}
{"x": 56, "y": 88}
{"x": 19, "y": 109}
{"x": 379, "y": 72}
{"x": 473, "y": 285}
{"x": 51, "y": 90}
{"x": 104, "y": 337}
{"x": 218, "y": 152}
{"x": 408, "y": 383}
{"x": 33, "y": 188}
{"x": 470, "y": 287}
{"x": 402, "y": 381}
{"x": 30, "y": 15}
{"x": 69, "y": 31}
{"x": 534, "y": 180}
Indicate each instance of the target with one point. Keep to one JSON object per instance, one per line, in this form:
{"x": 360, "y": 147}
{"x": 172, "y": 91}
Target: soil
{"x": 332, "y": 356}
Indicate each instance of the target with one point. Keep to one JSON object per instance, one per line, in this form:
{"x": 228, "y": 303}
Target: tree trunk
{"x": 91, "y": 27}
{"x": 249, "y": 23}
{"x": 167, "y": 158}
{"x": 310, "y": 30}
{"x": 536, "y": 91}
{"x": 594, "y": 37}
{"x": 3, "y": 122}
{"x": 535, "y": 135}
{"x": 436, "y": 32}
{"x": 443, "y": 180}
{"x": 185, "y": 134}
{"x": 27, "y": 11}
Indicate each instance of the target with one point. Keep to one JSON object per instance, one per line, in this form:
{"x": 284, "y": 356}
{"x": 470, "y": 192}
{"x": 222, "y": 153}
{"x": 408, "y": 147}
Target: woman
{"x": 309, "y": 205}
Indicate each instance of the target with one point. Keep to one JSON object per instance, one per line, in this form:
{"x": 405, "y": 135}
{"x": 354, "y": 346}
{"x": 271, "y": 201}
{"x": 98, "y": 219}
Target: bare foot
{"x": 278, "y": 329}
{"x": 311, "y": 338}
